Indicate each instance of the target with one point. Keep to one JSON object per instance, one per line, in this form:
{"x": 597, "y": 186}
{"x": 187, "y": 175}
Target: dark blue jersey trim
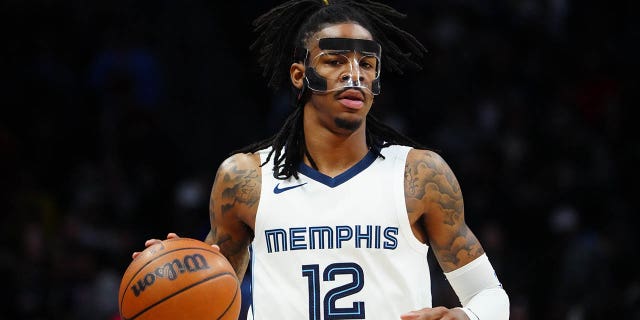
{"x": 341, "y": 178}
{"x": 247, "y": 289}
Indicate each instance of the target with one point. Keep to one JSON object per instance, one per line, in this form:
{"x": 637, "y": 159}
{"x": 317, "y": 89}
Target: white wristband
{"x": 479, "y": 290}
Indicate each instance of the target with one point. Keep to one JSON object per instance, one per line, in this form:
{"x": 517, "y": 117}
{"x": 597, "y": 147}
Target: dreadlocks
{"x": 287, "y": 27}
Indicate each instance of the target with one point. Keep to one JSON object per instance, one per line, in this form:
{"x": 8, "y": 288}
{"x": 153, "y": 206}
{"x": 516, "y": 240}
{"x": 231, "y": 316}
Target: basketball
{"x": 179, "y": 278}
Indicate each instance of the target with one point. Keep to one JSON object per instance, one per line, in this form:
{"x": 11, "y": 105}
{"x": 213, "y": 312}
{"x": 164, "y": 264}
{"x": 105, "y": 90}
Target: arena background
{"x": 116, "y": 114}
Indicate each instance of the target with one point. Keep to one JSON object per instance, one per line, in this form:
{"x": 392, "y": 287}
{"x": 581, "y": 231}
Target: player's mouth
{"x": 351, "y": 98}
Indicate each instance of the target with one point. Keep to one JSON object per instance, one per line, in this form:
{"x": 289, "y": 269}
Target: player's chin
{"x": 349, "y": 123}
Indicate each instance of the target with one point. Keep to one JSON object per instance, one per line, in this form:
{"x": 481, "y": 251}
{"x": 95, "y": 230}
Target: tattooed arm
{"x": 436, "y": 210}
{"x": 232, "y": 208}
{"x": 436, "y": 213}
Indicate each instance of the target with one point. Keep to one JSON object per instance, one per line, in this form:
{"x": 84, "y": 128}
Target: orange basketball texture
{"x": 179, "y": 278}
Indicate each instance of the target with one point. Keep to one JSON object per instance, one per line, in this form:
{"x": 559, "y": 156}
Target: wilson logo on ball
{"x": 171, "y": 271}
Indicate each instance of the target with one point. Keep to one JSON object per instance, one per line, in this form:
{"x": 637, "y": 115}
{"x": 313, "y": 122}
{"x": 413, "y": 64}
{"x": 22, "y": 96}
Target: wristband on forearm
{"x": 479, "y": 290}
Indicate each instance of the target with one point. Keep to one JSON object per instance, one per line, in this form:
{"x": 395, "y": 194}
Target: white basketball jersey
{"x": 338, "y": 248}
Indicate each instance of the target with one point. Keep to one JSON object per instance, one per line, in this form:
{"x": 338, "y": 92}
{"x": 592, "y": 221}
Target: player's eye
{"x": 368, "y": 63}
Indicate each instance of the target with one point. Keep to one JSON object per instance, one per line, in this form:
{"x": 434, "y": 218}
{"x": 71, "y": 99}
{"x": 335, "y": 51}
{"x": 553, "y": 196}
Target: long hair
{"x": 288, "y": 26}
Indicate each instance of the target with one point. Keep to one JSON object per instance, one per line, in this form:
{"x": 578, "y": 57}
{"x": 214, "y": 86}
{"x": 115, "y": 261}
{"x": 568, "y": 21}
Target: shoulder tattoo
{"x": 240, "y": 187}
{"x": 430, "y": 182}
{"x": 234, "y": 187}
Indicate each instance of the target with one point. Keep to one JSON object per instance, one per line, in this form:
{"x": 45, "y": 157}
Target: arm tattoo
{"x": 430, "y": 181}
{"x": 236, "y": 191}
{"x": 240, "y": 188}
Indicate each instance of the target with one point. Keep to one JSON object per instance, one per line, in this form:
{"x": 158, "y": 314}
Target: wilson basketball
{"x": 179, "y": 278}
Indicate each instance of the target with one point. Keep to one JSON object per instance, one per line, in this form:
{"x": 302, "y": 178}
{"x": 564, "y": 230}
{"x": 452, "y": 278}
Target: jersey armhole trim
{"x": 400, "y": 159}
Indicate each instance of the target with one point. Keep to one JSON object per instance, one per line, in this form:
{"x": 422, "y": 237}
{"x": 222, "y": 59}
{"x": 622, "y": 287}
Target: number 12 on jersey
{"x": 331, "y": 311}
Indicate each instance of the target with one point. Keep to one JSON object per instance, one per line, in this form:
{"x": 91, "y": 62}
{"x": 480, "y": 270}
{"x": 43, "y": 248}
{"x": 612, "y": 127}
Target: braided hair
{"x": 287, "y": 27}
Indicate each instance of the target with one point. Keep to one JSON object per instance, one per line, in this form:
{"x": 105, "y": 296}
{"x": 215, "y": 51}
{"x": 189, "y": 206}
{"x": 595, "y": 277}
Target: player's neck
{"x": 335, "y": 153}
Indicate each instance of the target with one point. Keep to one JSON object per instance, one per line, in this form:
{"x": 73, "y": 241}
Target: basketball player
{"x": 338, "y": 208}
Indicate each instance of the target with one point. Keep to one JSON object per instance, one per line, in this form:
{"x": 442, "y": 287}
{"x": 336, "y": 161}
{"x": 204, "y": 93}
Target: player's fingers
{"x": 135, "y": 255}
{"x": 425, "y": 314}
{"x": 172, "y": 235}
{"x": 410, "y": 316}
{"x": 151, "y": 242}
{"x": 417, "y": 315}
{"x": 215, "y": 247}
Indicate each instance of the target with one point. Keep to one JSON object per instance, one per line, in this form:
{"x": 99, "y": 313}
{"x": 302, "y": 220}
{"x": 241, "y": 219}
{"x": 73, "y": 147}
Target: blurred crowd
{"x": 116, "y": 114}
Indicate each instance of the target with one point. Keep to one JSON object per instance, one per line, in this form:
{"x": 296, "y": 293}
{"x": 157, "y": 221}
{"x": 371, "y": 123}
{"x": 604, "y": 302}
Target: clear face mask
{"x": 344, "y": 63}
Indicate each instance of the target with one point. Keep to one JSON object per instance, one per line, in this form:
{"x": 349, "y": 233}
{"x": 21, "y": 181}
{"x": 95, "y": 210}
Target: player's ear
{"x": 297, "y": 75}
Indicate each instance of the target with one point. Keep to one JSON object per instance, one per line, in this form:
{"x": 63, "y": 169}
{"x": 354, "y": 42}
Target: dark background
{"x": 116, "y": 114}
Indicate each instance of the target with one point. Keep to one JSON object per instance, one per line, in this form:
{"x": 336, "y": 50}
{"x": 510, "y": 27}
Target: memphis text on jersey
{"x": 326, "y": 237}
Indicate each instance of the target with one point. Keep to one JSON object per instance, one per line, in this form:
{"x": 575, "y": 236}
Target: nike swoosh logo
{"x": 277, "y": 190}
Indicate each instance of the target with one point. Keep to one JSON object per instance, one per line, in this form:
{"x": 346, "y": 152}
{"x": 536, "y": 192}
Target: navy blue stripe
{"x": 341, "y": 178}
{"x": 249, "y": 286}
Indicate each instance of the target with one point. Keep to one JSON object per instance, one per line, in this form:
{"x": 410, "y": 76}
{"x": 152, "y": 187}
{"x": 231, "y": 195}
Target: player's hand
{"x": 437, "y": 313}
{"x": 171, "y": 235}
